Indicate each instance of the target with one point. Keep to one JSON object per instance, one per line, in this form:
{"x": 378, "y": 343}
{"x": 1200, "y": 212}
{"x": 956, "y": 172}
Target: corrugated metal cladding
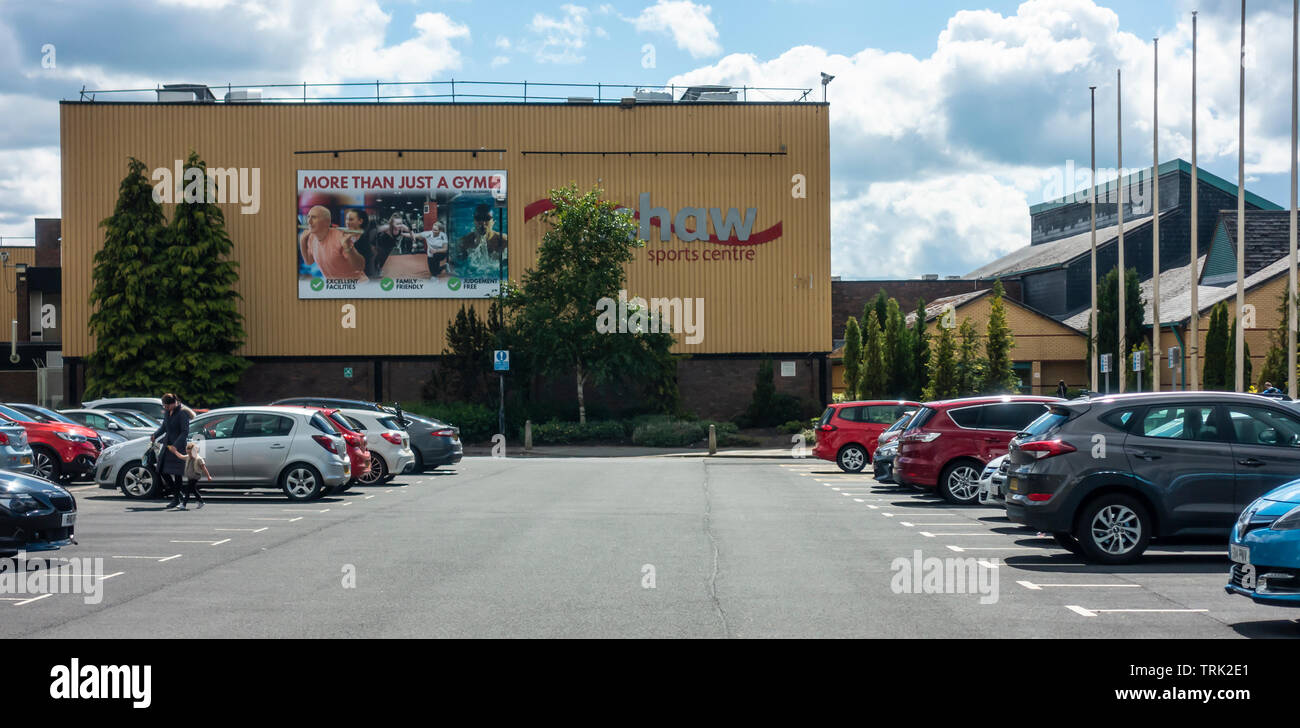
{"x": 779, "y": 302}
{"x": 8, "y": 301}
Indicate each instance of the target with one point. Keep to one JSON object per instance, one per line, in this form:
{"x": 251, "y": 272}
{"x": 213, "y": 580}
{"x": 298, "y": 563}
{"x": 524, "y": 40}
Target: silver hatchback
{"x": 295, "y": 449}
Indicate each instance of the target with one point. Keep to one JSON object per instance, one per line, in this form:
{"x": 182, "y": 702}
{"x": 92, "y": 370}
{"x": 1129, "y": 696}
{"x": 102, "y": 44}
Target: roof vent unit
{"x": 699, "y": 93}
{"x": 652, "y": 97}
{"x": 185, "y": 92}
{"x": 581, "y": 100}
{"x": 930, "y": 277}
{"x": 245, "y": 96}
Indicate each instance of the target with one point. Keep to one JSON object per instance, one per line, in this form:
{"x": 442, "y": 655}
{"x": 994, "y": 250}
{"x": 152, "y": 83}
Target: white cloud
{"x": 560, "y": 40}
{"x": 688, "y": 23}
{"x": 935, "y": 158}
{"x": 498, "y": 61}
{"x": 502, "y": 42}
{"x": 29, "y": 188}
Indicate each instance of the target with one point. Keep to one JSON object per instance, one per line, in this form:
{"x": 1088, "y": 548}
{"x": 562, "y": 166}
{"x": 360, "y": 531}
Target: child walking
{"x": 194, "y": 466}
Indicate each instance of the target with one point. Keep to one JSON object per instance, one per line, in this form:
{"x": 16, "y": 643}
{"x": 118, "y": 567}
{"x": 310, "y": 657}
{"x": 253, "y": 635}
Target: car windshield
{"x": 14, "y": 414}
{"x": 1047, "y": 422}
{"x": 45, "y": 415}
{"x": 337, "y": 418}
{"x": 921, "y": 417}
{"x": 902, "y": 421}
{"x": 390, "y": 423}
{"x": 132, "y": 419}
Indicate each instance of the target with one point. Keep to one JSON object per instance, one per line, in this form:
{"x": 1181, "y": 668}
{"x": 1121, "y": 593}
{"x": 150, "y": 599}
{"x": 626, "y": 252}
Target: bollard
{"x": 713, "y": 440}
{"x": 528, "y": 435}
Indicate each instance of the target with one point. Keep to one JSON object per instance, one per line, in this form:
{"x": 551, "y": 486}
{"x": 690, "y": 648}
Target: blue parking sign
{"x": 501, "y": 360}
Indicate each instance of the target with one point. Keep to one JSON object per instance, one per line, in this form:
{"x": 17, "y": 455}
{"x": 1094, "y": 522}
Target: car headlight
{"x": 20, "y": 503}
{"x": 1288, "y": 522}
{"x": 70, "y": 437}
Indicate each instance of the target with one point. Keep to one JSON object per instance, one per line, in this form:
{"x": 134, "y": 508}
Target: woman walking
{"x": 175, "y": 430}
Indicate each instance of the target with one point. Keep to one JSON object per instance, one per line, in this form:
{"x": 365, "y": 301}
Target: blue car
{"x": 1265, "y": 549}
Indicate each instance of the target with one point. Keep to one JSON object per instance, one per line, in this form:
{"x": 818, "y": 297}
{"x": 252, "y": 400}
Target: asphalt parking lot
{"x": 615, "y": 547}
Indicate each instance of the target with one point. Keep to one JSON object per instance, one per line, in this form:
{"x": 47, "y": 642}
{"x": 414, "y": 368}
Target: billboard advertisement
{"x": 401, "y": 233}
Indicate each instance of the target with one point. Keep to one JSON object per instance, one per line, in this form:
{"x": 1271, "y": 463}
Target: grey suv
{"x": 1105, "y": 476}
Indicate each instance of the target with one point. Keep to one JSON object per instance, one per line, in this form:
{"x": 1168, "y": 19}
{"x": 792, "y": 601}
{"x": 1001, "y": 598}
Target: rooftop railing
{"x": 451, "y": 91}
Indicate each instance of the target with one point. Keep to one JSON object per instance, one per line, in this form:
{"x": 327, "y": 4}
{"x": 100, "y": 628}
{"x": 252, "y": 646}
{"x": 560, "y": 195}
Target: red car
{"x": 947, "y": 443}
{"x": 358, "y": 453}
{"x": 59, "y": 450}
{"x": 849, "y": 431}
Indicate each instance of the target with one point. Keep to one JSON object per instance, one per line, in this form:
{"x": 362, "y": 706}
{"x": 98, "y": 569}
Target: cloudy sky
{"x": 948, "y": 117}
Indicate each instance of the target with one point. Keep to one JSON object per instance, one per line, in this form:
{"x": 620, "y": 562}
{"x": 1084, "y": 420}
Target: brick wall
{"x": 268, "y": 380}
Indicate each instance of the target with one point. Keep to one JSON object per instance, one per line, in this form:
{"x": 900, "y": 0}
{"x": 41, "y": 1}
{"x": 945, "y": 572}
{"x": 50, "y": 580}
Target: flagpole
{"x": 1239, "y": 369}
{"x": 1092, "y": 227}
{"x": 1295, "y": 117}
{"x": 1155, "y": 220}
{"x": 1119, "y": 207}
{"x": 1194, "y": 324}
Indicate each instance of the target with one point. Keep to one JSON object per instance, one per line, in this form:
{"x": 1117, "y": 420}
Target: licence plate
{"x": 1239, "y": 554}
{"x": 26, "y": 460}
{"x": 69, "y": 519}
{"x": 1014, "y": 485}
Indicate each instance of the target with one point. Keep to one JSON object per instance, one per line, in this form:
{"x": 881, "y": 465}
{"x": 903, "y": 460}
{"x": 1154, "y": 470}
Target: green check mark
{"x": 318, "y": 284}
{"x": 386, "y": 284}
{"x": 453, "y": 284}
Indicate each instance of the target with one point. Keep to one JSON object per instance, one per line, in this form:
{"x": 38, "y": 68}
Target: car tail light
{"x": 1040, "y": 497}
{"x": 828, "y": 428}
{"x": 393, "y": 437}
{"x": 1040, "y": 449}
{"x": 923, "y": 436}
{"x": 448, "y": 432}
{"x": 4, "y": 439}
{"x": 325, "y": 442}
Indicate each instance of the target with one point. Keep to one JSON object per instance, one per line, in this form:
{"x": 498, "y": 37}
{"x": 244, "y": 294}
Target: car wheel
{"x": 301, "y": 482}
{"x": 1067, "y": 541}
{"x": 1113, "y": 529}
{"x": 138, "y": 481}
{"x": 852, "y": 458}
{"x": 378, "y": 469}
{"x": 960, "y": 482}
{"x": 46, "y": 463}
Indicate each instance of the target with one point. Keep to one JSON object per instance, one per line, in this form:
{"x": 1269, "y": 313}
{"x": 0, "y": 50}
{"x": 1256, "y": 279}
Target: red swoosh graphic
{"x": 534, "y": 209}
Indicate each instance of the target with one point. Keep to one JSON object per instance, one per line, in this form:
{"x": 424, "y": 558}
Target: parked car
{"x": 389, "y": 443}
{"x": 150, "y": 406}
{"x": 1106, "y": 476}
{"x": 849, "y": 432}
{"x": 42, "y": 414}
{"x": 1265, "y": 549}
{"x": 35, "y": 514}
{"x": 295, "y": 449}
{"x": 947, "y": 443}
{"x": 882, "y": 461}
{"x": 59, "y": 450}
{"x": 992, "y": 481}
{"x": 134, "y": 418}
{"x": 15, "y": 451}
{"x": 358, "y": 453}
{"x": 104, "y": 421}
{"x": 434, "y": 443}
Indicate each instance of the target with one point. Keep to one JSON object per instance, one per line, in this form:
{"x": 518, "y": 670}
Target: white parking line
{"x": 33, "y": 599}
{"x": 909, "y": 524}
{"x": 159, "y": 559}
{"x": 1084, "y": 612}
{"x": 927, "y": 534}
{"x": 369, "y": 497}
{"x": 1039, "y": 587}
{"x": 290, "y": 520}
{"x": 210, "y": 543}
{"x": 249, "y": 530}
{"x": 348, "y": 503}
{"x": 305, "y": 510}
{"x": 961, "y": 549}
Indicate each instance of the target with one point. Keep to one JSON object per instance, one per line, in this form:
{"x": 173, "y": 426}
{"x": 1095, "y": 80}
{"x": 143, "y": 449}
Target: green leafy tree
{"x": 561, "y": 307}
{"x": 1000, "y": 375}
{"x": 897, "y": 351}
{"x": 1229, "y": 359}
{"x": 944, "y": 376}
{"x": 167, "y": 317}
{"x": 873, "y": 379}
{"x": 920, "y": 352}
{"x": 879, "y": 305}
{"x": 1107, "y": 336}
{"x": 466, "y": 360}
{"x": 1275, "y": 361}
{"x": 970, "y": 365}
{"x": 1131, "y": 376}
{"x": 1216, "y": 349}
{"x": 852, "y": 358}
